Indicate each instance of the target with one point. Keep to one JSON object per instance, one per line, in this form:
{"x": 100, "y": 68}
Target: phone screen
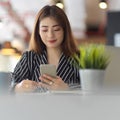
{"x": 48, "y": 69}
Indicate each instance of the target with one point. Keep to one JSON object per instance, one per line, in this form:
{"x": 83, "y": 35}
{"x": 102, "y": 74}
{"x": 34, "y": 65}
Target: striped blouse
{"x": 29, "y": 68}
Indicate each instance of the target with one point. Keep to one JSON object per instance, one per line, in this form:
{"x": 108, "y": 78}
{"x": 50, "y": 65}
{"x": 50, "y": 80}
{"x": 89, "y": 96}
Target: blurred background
{"x": 91, "y": 20}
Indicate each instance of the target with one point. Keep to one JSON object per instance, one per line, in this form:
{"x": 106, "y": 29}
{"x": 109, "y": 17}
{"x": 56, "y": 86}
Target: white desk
{"x": 66, "y": 106}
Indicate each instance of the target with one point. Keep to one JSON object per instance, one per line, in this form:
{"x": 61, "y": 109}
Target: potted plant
{"x": 92, "y": 62}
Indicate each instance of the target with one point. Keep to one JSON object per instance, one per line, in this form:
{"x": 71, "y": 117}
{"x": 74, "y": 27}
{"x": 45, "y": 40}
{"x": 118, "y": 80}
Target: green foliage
{"x": 92, "y": 56}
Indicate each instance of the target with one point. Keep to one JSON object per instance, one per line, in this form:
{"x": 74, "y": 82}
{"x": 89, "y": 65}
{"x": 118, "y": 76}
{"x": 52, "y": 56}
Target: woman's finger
{"x": 46, "y": 80}
{"x": 49, "y": 77}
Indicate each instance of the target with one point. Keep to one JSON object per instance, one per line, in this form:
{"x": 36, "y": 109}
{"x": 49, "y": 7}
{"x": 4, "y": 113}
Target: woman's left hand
{"x": 53, "y": 83}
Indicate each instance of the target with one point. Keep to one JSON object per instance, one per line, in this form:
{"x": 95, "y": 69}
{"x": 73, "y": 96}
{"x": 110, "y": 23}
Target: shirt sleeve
{"x": 21, "y": 70}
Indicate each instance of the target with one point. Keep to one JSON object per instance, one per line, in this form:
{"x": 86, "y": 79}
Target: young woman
{"x": 51, "y": 43}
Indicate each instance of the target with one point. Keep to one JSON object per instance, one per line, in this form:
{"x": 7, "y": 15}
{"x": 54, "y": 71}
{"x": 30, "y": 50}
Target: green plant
{"x": 92, "y": 56}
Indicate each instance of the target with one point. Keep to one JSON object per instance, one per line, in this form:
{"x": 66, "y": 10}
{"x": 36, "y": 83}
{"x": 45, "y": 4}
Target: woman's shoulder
{"x": 29, "y": 54}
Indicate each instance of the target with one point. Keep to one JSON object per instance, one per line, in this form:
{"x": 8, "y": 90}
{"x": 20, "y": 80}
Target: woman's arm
{"x": 22, "y": 73}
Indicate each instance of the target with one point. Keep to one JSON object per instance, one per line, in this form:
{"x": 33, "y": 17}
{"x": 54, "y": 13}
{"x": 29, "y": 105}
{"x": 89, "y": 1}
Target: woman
{"x": 51, "y": 43}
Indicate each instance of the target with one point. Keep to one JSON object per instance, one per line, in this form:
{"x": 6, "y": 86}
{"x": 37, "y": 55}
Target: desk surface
{"x": 60, "y": 106}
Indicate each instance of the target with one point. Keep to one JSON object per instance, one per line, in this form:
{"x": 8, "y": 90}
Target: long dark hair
{"x": 68, "y": 45}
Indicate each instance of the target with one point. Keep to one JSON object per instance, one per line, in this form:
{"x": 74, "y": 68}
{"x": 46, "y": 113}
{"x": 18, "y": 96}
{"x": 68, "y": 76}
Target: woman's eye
{"x": 57, "y": 29}
{"x": 44, "y": 30}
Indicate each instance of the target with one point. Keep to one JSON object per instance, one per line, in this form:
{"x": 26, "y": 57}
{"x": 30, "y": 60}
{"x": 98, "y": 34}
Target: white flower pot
{"x": 91, "y": 79}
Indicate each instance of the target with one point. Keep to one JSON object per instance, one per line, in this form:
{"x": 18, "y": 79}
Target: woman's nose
{"x": 50, "y": 33}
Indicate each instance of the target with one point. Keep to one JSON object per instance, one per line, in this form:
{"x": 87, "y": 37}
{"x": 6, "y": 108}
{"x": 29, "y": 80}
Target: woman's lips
{"x": 52, "y": 41}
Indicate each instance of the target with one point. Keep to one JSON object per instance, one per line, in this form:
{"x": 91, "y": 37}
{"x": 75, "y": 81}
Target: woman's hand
{"x": 53, "y": 83}
{"x": 26, "y": 86}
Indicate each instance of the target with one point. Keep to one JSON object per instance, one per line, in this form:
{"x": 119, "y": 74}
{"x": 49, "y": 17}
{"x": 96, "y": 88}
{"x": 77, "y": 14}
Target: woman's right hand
{"x": 26, "y": 86}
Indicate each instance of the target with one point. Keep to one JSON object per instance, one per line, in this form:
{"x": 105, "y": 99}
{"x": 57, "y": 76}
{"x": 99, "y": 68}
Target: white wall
{"x": 114, "y": 5}
{"x": 75, "y": 10}
{"x": 112, "y": 76}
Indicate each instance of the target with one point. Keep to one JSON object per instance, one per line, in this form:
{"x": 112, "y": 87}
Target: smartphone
{"x": 48, "y": 69}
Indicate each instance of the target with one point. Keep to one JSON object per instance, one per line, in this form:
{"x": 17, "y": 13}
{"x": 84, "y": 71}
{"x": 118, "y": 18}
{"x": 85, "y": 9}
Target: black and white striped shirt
{"x": 29, "y": 68}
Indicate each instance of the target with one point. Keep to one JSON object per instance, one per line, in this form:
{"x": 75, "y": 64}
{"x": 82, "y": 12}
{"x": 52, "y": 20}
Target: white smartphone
{"x": 48, "y": 69}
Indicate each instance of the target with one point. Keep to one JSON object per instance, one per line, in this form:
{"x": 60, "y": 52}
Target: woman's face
{"x": 51, "y": 32}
